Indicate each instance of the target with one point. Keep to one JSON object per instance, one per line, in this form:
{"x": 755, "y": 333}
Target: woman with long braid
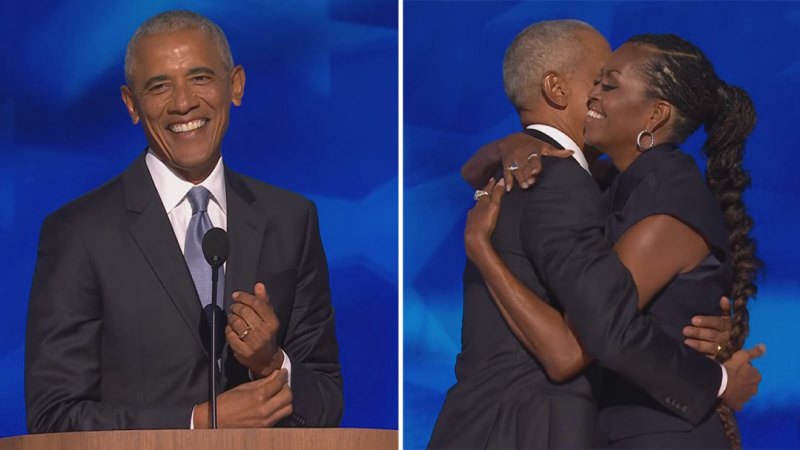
{"x": 685, "y": 241}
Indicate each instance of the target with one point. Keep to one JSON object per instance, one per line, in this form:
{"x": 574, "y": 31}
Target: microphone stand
{"x": 215, "y": 250}
{"x": 212, "y": 361}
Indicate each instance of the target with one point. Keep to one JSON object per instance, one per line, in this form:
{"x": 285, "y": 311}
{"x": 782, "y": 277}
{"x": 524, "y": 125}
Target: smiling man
{"x": 116, "y": 335}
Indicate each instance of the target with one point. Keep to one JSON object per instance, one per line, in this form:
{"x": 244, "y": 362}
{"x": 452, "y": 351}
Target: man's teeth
{"x": 594, "y": 114}
{"x": 189, "y": 126}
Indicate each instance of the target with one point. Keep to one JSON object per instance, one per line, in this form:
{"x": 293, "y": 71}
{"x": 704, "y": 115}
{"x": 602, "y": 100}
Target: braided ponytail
{"x": 724, "y": 149}
{"x": 680, "y": 73}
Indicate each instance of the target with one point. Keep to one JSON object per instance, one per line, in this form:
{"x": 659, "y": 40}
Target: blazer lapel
{"x": 153, "y": 234}
{"x": 246, "y": 235}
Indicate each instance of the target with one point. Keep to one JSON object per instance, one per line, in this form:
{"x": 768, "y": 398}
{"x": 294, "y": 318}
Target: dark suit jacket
{"x": 114, "y": 321}
{"x": 553, "y": 238}
{"x": 563, "y": 233}
{"x": 665, "y": 180}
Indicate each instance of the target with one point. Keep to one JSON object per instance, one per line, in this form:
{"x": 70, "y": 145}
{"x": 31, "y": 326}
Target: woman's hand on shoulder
{"x": 522, "y": 158}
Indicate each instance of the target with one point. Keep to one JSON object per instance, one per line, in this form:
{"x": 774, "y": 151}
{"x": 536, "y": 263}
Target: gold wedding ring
{"x": 244, "y": 333}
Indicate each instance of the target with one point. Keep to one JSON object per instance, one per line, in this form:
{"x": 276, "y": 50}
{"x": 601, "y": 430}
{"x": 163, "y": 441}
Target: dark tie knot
{"x": 198, "y": 198}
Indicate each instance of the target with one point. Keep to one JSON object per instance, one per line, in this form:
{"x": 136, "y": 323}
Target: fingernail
{"x": 696, "y": 320}
{"x": 235, "y": 295}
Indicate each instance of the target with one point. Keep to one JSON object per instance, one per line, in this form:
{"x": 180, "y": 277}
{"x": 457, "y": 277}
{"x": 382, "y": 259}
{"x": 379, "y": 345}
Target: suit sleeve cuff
{"x": 724, "y": 384}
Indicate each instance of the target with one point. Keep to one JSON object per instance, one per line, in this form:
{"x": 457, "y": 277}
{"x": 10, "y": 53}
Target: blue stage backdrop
{"x": 454, "y": 102}
{"x": 319, "y": 117}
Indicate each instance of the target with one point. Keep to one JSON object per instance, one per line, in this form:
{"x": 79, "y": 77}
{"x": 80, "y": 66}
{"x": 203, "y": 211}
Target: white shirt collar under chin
{"x": 173, "y": 189}
{"x": 565, "y": 141}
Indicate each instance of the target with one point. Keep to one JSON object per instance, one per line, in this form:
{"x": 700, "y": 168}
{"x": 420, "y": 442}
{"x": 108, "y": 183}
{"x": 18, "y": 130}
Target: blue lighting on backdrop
{"x": 319, "y": 117}
{"x": 454, "y": 102}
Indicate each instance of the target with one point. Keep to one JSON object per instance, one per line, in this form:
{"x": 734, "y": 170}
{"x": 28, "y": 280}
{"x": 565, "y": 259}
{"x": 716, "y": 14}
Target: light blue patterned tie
{"x": 193, "y": 248}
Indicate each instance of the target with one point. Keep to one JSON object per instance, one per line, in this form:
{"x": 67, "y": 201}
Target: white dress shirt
{"x": 172, "y": 190}
{"x": 568, "y": 144}
{"x": 563, "y": 140}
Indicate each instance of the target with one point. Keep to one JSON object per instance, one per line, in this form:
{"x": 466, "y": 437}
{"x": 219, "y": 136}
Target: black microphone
{"x": 216, "y": 246}
{"x": 215, "y": 249}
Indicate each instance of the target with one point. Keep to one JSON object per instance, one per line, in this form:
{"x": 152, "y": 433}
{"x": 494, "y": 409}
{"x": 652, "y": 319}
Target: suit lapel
{"x": 153, "y": 234}
{"x": 246, "y": 235}
{"x": 628, "y": 180}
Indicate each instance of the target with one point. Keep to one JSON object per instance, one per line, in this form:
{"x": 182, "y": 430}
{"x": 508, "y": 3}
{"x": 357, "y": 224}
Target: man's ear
{"x": 127, "y": 98}
{"x": 554, "y": 90}
{"x": 659, "y": 115}
{"x": 237, "y": 85}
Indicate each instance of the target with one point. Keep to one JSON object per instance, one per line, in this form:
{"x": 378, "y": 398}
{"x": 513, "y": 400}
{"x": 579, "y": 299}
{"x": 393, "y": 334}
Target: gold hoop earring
{"x": 642, "y": 134}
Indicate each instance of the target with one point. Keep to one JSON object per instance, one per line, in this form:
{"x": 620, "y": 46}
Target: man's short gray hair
{"x": 539, "y": 48}
{"x": 176, "y": 20}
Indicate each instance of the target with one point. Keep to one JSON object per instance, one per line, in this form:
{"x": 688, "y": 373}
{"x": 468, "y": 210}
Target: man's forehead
{"x": 167, "y": 40}
{"x": 178, "y": 50}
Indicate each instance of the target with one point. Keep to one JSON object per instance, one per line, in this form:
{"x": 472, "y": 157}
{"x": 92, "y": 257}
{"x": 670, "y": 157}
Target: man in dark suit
{"x": 552, "y": 238}
{"x": 116, "y": 337}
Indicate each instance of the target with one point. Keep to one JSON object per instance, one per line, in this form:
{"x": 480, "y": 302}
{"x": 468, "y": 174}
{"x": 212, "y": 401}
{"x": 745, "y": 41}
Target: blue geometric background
{"x": 319, "y": 117}
{"x": 454, "y": 102}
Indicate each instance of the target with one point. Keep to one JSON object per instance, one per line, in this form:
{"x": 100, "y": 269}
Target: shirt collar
{"x": 565, "y": 141}
{"x": 173, "y": 189}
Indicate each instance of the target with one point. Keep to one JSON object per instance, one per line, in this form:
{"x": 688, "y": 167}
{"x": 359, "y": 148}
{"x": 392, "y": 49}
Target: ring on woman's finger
{"x": 719, "y": 349}
{"x": 533, "y": 155}
{"x": 478, "y": 194}
{"x": 514, "y": 166}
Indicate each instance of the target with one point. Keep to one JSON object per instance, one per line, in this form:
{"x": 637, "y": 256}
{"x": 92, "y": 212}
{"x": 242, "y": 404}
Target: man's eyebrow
{"x": 193, "y": 71}
{"x": 200, "y": 70}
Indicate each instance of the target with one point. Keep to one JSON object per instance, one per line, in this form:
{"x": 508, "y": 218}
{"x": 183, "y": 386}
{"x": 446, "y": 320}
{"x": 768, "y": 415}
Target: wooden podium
{"x": 223, "y": 439}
